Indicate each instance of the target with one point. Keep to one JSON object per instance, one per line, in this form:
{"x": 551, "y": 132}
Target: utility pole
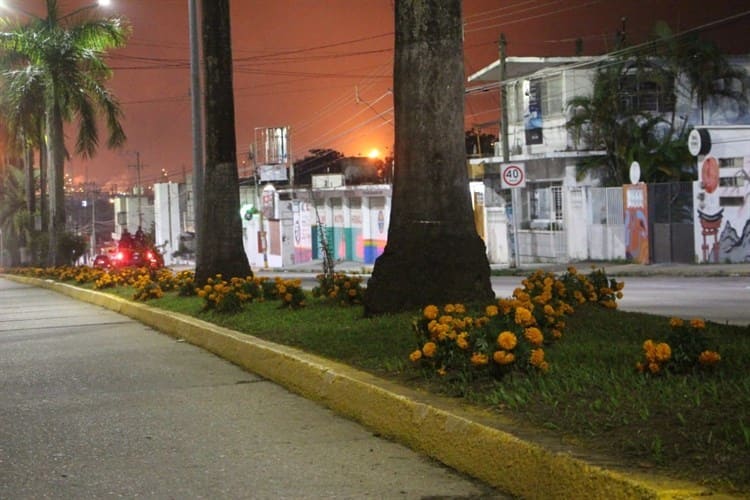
{"x": 138, "y": 187}
{"x": 504, "y": 100}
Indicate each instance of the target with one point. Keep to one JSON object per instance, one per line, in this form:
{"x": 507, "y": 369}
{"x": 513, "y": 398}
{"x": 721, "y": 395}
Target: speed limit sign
{"x": 513, "y": 175}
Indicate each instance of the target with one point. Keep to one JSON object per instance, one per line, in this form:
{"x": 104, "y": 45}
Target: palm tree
{"x": 220, "y": 240}
{"x": 434, "y": 254}
{"x": 14, "y": 217}
{"x": 22, "y": 105}
{"x": 63, "y": 55}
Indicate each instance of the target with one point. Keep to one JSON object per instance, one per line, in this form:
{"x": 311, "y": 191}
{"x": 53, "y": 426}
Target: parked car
{"x": 102, "y": 262}
{"x": 138, "y": 257}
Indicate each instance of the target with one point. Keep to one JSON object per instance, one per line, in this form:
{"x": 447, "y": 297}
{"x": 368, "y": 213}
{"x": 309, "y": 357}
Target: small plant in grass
{"x": 108, "y": 280}
{"x": 166, "y": 279}
{"x": 185, "y": 283}
{"x": 686, "y": 350}
{"x": 222, "y": 296}
{"x": 146, "y": 289}
{"x": 290, "y": 293}
{"x": 342, "y": 288}
{"x": 455, "y": 343}
{"x": 594, "y": 287}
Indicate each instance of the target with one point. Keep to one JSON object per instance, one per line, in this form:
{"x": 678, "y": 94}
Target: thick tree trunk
{"x": 434, "y": 254}
{"x": 56, "y": 177}
{"x": 221, "y": 250}
{"x": 30, "y": 184}
{"x": 43, "y": 198}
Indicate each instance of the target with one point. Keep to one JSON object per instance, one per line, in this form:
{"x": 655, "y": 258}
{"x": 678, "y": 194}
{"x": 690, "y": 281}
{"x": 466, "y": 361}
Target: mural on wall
{"x": 636, "y": 222}
{"x": 723, "y": 211}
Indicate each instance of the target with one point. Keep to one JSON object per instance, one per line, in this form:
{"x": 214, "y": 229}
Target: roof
{"x": 520, "y": 66}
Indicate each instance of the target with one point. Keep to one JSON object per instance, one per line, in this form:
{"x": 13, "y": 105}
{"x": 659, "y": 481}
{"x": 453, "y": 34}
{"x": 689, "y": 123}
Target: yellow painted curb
{"x": 468, "y": 440}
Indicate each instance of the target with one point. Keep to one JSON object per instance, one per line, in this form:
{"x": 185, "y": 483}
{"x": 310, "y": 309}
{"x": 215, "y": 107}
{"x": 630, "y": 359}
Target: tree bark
{"x": 434, "y": 254}
{"x": 56, "y": 178}
{"x": 221, "y": 250}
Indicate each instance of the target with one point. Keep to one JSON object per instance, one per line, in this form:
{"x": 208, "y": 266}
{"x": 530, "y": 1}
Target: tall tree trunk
{"x": 221, "y": 250}
{"x": 56, "y": 177}
{"x": 30, "y": 184}
{"x": 434, "y": 254}
{"x": 43, "y": 197}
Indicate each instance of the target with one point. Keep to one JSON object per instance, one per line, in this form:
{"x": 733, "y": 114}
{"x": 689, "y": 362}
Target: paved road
{"x": 719, "y": 299}
{"x": 95, "y": 405}
{"x": 723, "y": 299}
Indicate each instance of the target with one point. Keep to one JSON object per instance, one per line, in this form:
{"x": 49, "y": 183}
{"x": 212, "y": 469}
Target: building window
{"x": 542, "y": 206}
{"x": 646, "y": 90}
{"x": 552, "y": 98}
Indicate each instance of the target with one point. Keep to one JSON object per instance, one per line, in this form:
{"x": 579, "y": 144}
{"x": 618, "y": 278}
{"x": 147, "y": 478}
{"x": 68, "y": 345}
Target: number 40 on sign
{"x": 513, "y": 175}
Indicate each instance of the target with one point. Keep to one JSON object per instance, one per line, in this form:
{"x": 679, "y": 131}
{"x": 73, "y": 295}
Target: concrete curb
{"x": 468, "y": 440}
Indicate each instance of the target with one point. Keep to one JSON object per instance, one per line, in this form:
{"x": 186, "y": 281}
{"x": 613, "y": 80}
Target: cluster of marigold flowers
{"x": 345, "y": 289}
{"x": 594, "y": 287}
{"x": 684, "y": 351}
{"x": 146, "y": 288}
{"x": 513, "y": 332}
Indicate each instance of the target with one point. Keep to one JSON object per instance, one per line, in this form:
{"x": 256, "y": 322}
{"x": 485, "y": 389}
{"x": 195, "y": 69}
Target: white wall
{"x": 167, "y": 219}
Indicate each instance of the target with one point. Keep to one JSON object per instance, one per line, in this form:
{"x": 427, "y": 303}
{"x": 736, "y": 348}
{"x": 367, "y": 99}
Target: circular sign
{"x": 513, "y": 176}
{"x": 635, "y": 172}
{"x": 699, "y": 142}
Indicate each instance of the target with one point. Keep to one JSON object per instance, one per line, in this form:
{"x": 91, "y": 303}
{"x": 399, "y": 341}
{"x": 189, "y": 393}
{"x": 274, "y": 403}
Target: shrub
{"x": 344, "y": 289}
{"x": 685, "y": 351}
{"x": 146, "y": 289}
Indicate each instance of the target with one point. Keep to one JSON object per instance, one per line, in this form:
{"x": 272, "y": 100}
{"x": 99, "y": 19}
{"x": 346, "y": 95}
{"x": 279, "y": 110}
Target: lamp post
{"x": 100, "y": 3}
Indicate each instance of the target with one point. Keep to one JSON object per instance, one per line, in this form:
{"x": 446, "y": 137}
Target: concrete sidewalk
{"x": 522, "y": 461}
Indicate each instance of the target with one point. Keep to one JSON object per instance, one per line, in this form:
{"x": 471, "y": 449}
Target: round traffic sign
{"x": 513, "y": 175}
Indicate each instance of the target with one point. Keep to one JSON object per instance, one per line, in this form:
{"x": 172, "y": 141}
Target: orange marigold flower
{"x": 429, "y": 349}
{"x": 523, "y": 317}
{"x": 445, "y": 320}
{"x": 675, "y": 322}
{"x": 507, "y": 340}
{"x": 663, "y": 352}
{"x": 462, "y": 340}
{"x": 460, "y": 308}
{"x": 479, "y": 359}
{"x": 449, "y": 308}
{"x": 537, "y": 357}
{"x": 697, "y": 323}
{"x": 708, "y": 358}
{"x": 503, "y": 357}
{"x": 654, "y": 367}
{"x": 430, "y": 312}
{"x": 534, "y": 335}
{"x": 505, "y": 305}
{"x": 416, "y": 355}
{"x": 491, "y": 311}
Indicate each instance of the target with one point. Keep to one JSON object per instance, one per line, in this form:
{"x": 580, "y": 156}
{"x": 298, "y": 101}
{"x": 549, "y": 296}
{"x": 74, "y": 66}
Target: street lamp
{"x": 100, "y": 3}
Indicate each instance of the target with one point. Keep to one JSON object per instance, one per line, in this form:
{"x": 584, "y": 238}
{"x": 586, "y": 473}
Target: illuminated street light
{"x": 4, "y": 5}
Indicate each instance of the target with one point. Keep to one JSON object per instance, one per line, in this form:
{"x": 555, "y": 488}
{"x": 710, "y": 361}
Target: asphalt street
{"x": 682, "y": 293}
{"x": 95, "y": 405}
